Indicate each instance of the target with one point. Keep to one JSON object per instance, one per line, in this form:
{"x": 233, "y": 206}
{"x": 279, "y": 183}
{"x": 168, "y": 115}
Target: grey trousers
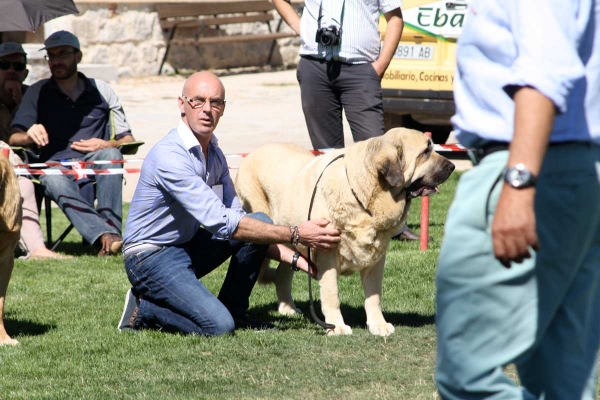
{"x": 326, "y": 88}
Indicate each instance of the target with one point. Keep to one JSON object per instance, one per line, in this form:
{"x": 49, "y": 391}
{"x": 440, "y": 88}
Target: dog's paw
{"x": 288, "y": 309}
{"x": 384, "y": 329}
{"x": 9, "y": 342}
{"x": 340, "y": 330}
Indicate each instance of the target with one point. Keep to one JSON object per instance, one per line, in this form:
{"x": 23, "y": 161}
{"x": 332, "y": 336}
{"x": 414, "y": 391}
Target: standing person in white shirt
{"x": 347, "y": 73}
{"x": 341, "y": 66}
{"x": 511, "y": 286}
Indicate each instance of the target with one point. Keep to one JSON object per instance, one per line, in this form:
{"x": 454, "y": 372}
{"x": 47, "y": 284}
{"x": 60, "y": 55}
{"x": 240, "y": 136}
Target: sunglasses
{"x": 17, "y": 65}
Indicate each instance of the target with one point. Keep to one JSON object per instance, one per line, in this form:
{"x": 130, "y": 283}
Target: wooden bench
{"x": 214, "y": 14}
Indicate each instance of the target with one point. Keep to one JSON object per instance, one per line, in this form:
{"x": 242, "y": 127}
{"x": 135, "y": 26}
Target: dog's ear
{"x": 390, "y": 164}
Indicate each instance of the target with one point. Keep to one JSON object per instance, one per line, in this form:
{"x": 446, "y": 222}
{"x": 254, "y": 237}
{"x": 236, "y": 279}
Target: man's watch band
{"x": 295, "y": 258}
{"x": 519, "y": 177}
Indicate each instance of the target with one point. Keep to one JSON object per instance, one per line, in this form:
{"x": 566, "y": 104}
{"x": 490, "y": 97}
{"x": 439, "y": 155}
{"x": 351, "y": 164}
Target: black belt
{"x": 489, "y": 148}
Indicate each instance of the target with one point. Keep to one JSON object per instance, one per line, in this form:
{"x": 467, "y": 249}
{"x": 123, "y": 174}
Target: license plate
{"x": 414, "y": 52}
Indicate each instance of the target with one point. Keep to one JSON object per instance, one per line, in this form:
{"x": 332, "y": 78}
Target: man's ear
{"x": 78, "y": 56}
{"x": 181, "y": 104}
{"x": 25, "y": 75}
{"x": 390, "y": 165}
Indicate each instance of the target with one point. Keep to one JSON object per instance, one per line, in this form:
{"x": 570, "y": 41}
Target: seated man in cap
{"x": 13, "y": 71}
{"x": 72, "y": 117}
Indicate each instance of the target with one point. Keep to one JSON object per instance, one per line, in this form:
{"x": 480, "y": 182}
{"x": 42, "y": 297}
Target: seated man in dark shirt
{"x": 72, "y": 117}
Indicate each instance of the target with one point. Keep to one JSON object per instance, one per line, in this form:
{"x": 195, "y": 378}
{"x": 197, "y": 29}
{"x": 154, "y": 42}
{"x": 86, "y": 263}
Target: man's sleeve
{"x": 389, "y": 5}
{"x": 546, "y": 35}
{"x": 27, "y": 113}
{"x": 177, "y": 176}
{"x": 119, "y": 123}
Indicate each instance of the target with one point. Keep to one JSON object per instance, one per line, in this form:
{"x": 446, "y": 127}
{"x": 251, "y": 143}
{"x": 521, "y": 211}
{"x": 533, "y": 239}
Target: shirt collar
{"x": 87, "y": 88}
{"x": 188, "y": 138}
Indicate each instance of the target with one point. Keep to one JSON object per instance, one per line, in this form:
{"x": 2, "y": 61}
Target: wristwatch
{"x": 519, "y": 177}
{"x": 295, "y": 258}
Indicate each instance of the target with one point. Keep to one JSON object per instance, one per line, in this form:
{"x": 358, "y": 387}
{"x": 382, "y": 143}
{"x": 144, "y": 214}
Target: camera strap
{"x": 334, "y": 13}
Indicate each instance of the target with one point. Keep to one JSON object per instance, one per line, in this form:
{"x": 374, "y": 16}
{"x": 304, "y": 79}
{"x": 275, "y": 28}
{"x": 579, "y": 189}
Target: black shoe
{"x": 245, "y": 322}
{"x": 409, "y": 236}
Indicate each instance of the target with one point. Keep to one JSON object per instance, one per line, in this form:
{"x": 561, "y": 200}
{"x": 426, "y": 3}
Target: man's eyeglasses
{"x": 198, "y": 102}
{"x": 17, "y": 65}
{"x": 60, "y": 56}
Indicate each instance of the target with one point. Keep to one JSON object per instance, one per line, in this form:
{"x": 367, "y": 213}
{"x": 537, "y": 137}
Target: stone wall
{"x": 129, "y": 37}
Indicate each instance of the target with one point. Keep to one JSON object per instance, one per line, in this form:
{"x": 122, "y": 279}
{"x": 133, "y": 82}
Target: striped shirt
{"x": 551, "y": 45}
{"x": 359, "y": 19}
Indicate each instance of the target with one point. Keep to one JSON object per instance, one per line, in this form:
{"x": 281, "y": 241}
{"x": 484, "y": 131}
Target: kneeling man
{"x": 185, "y": 220}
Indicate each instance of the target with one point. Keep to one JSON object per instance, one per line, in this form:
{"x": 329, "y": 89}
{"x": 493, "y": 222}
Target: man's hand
{"x": 315, "y": 234}
{"x": 379, "y": 68}
{"x": 513, "y": 229}
{"x": 37, "y": 133}
{"x": 13, "y": 89}
{"x": 90, "y": 145}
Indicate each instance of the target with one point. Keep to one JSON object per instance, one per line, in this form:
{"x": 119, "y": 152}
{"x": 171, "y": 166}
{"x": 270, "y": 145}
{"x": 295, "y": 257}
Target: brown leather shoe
{"x": 111, "y": 244}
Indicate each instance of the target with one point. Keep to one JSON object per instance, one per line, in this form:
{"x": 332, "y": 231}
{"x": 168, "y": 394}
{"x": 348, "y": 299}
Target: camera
{"x": 329, "y": 36}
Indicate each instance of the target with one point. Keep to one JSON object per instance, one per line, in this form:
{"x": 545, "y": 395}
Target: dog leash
{"x": 320, "y": 322}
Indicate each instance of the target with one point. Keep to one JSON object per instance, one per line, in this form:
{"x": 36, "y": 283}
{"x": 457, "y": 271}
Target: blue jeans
{"x": 173, "y": 299}
{"x": 542, "y": 314}
{"x": 90, "y": 223}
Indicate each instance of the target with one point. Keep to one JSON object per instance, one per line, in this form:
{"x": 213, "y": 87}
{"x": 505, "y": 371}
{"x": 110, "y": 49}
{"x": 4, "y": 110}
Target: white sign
{"x": 440, "y": 18}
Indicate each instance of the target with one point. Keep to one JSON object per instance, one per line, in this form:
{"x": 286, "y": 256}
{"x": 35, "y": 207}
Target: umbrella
{"x": 27, "y": 15}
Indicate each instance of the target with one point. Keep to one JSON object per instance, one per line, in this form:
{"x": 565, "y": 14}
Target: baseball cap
{"x": 11, "y": 48}
{"x": 61, "y": 38}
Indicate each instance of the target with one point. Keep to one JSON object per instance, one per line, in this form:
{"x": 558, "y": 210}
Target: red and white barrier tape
{"x": 449, "y": 147}
{"x": 76, "y": 163}
{"x": 78, "y": 172}
{"x": 30, "y": 169}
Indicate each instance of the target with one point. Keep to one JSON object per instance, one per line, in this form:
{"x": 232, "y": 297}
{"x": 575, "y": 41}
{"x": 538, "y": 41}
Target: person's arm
{"x": 289, "y": 15}
{"x": 543, "y": 73}
{"x": 117, "y": 121}
{"x": 514, "y": 226}
{"x": 313, "y": 233}
{"x": 393, "y": 33}
{"x": 282, "y": 253}
{"x": 95, "y": 144}
{"x": 25, "y": 131}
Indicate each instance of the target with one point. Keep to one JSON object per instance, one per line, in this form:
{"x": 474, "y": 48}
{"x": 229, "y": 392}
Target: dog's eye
{"x": 426, "y": 151}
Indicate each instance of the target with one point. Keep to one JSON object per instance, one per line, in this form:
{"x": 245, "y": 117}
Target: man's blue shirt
{"x": 174, "y": 197}
{"x": 551, "y": 45}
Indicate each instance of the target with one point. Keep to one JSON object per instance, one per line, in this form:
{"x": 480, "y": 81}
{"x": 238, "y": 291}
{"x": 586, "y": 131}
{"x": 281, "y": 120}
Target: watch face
{"x": 519, "y": 177}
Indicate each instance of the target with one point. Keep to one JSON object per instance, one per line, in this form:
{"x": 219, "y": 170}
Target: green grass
{"x": 65, "y": 313}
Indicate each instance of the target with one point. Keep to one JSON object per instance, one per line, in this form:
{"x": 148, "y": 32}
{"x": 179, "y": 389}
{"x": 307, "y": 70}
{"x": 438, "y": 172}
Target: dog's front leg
{"x": 283, "y": 285}
{"x": 372, "y": 280}
{"x": 330, "y": 299}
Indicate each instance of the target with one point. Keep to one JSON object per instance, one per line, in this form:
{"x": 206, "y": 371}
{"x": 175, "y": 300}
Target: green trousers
{"x": 543, "y": 315}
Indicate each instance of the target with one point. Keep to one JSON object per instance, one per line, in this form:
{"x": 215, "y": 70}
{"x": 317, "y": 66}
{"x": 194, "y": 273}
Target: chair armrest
{"x": 129, "y": 148}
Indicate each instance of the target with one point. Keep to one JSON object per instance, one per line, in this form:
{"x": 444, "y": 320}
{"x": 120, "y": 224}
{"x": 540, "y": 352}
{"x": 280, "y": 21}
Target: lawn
{"x": 65, "y": 313}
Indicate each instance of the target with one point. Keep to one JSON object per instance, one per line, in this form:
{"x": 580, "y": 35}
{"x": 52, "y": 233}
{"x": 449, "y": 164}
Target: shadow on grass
{"x": 26, "y": 328}
{"x": 76, "y": 249}
{"x": 353, "y": 316}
